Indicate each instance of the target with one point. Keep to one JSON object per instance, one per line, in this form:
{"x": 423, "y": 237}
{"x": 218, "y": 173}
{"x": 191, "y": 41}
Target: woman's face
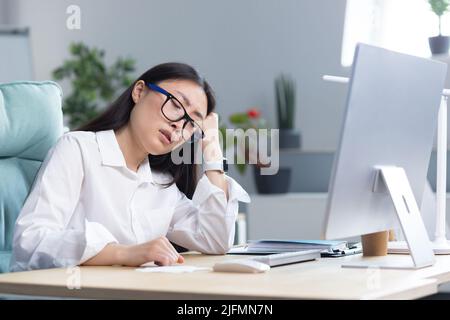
{"x": 155, "y": 133}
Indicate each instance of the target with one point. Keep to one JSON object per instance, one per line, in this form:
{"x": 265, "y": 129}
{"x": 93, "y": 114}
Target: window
{"x": 399, "y": 25}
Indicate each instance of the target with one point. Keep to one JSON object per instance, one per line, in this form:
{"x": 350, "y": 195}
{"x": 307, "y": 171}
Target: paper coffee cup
{"x": 375, "y": 244}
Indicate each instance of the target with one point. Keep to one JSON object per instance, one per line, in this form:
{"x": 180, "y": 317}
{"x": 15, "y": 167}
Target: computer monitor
{"x": 380, "y": 167}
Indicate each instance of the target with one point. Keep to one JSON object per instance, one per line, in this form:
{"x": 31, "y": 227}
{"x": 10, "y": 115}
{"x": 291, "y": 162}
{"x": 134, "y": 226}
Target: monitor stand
{"x": 394, "y": 181}
{"x": 436, "y": 205}
{"x": 430, "y": 216}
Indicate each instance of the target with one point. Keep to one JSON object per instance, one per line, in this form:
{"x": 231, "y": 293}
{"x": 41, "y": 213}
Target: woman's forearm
{"x": 212, "y": 152}
{"x": 159, "y": 250}
{"x": 218, "y": 179}
{"x": 112, "y": 254}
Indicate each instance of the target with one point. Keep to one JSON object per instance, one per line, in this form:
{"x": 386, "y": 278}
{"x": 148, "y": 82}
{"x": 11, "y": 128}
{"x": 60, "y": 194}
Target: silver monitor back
{"x": 391, "y": 117}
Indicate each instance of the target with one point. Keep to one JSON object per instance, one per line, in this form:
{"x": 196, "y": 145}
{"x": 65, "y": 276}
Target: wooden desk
{"x": 322, "y": 279}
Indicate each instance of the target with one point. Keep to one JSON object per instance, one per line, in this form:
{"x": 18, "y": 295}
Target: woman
{"x": 110, "y": 193}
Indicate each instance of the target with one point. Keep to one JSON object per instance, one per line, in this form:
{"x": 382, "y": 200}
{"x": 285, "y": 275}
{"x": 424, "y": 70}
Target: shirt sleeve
{"x": 207, "y": 222}
{"x": 41, "y": 237}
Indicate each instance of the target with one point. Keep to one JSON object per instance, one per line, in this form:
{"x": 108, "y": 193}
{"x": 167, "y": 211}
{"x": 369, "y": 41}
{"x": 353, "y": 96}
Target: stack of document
{"x": 267, "y": 246}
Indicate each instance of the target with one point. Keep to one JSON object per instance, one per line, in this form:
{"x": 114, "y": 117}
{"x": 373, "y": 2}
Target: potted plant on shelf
{"x": 92, "y": 82}
{"x": 285, "y": 91}
{"x": 440, "y": 43}
{"x": 265, "y": 184}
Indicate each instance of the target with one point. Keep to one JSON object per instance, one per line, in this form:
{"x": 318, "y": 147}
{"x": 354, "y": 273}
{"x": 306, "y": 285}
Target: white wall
{"x": 4, "y": 10}
{"x": 241, "y": 46}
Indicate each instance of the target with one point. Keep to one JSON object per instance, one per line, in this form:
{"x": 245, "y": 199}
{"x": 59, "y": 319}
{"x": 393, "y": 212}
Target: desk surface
{"x": 321, "y": 279}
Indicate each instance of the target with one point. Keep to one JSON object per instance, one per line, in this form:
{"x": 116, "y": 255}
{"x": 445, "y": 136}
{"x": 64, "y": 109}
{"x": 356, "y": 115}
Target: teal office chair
{"x": 30, "y": 123}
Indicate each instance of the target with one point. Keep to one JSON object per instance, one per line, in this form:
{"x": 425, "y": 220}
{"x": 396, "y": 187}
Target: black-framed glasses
{"x": 173, "y": 110}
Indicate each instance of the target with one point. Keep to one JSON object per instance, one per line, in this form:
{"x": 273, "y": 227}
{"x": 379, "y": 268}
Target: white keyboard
{"x": 279, "y": 259}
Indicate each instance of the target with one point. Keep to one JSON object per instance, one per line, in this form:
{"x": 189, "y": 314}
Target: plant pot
{"x": 439, "y": 44}
{"x": 269, "y": 184}
{"x": 289, "y": 138}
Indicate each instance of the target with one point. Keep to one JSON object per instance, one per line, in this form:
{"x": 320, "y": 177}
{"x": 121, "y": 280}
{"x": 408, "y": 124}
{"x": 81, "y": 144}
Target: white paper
{"x": 172, "y": 269}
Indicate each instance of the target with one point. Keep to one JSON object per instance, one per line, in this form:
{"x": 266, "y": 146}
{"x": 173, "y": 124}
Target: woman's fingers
{"x": 162, "y": 252}
{"x": 170, "y": 247}
{"x": 162, "y": 260}
{"x": 168, "y": 250}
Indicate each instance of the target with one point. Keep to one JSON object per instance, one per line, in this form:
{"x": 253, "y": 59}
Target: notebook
{"x": 268, "y": 246}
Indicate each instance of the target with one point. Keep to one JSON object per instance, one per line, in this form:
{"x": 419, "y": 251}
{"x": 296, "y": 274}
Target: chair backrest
{"x": 30, "y": 123}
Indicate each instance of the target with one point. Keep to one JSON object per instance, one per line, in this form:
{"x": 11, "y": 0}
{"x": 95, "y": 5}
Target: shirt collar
{"x": 112, "y": 155}
{"x": 145, "y": 172}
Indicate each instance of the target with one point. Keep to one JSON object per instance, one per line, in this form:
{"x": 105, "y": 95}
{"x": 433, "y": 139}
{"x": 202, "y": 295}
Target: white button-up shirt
{"x": 85, "y": 197}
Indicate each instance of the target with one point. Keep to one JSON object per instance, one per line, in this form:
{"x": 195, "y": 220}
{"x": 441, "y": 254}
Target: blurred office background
{"x": 241, "y": 47}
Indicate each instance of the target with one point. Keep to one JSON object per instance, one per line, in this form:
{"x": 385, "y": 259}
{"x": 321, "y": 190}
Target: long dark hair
{"x": 118, "y": 113}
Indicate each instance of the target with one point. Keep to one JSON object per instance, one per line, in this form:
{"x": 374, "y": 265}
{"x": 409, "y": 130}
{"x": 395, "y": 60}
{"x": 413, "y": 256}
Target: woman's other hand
{"x": 159, "y": 250}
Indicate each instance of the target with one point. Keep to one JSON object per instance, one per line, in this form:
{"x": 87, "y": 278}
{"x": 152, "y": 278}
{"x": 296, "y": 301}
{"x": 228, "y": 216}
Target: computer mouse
{"x": 243, "y": 265}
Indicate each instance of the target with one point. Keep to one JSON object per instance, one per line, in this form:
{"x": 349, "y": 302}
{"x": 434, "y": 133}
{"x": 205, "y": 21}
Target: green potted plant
{"x": 285, "y": 92}
{"x": 250, "y": 119}
{"x": 248, "y": 153}
{"x": 92, "y": 82}
{"x": 439, "y": 44}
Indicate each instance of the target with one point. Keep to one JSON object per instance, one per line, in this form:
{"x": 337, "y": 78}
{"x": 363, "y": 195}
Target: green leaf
{"x": 241, "y": 168}
{"x": 285, "y": 95}
{"x": 239, "y": 118}
{"x": 92, "y": 81}
{"x": 439, "y": 7}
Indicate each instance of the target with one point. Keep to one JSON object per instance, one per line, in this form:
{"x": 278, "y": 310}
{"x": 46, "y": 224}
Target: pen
{"x": 351, "y": 251}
